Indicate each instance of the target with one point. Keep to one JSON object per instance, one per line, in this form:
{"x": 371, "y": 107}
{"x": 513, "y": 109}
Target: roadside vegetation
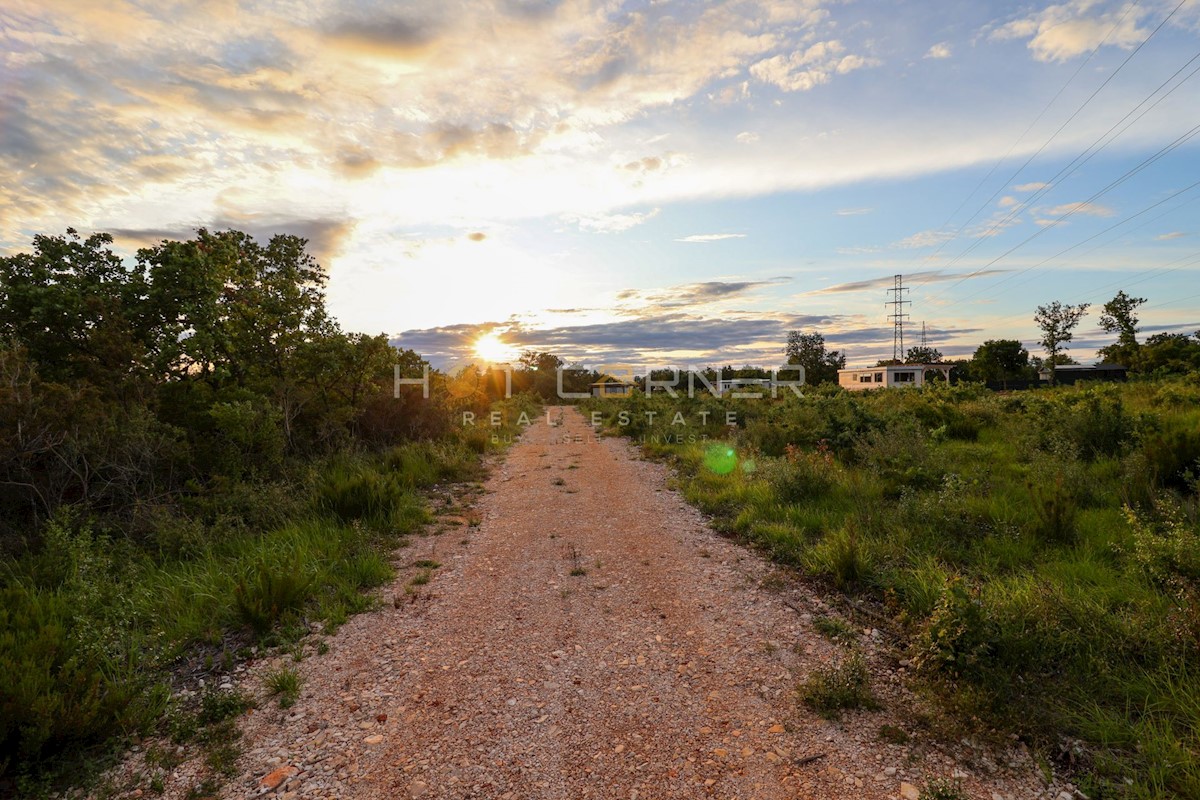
{"x": 196, "y": 464}
{"x": 1038, "y": 551}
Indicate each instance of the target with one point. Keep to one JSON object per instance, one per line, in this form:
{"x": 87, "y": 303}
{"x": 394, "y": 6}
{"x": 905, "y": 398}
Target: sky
{"x": 663, "y": 182}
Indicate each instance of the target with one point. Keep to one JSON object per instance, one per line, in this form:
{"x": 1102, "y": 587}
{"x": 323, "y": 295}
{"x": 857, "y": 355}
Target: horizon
{"x": 649, "y": 182}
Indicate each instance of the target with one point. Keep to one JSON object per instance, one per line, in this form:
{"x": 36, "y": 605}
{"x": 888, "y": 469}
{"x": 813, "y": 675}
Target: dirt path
{"x": 591, "y": 638}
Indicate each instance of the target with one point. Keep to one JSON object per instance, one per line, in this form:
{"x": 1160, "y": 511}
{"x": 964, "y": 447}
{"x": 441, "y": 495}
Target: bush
{"x": 801, "y": 474}
{"x": 957, "y": 639}
{"x": 57, "y": 691}
{"x": 844, "y": 684}
{"x": 841, "y": 556}
{"x": 270, "y": 590}
{"x": 362, "y": 494}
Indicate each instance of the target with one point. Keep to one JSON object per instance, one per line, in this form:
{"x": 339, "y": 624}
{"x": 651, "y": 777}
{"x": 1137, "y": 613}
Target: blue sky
{"x": 660, "y": 182}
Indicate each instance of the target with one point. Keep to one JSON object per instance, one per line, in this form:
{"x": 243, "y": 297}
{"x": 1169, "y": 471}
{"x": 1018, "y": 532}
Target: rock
{"x": 909, "y": 792}
{"x": 775, "y": 729}
{"x": 273, "y": 779}
{"x": 376, "y": 739}
{"x": 417, "y": 788}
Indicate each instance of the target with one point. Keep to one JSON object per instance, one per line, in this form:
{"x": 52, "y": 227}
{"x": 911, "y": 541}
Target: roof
{"x": 897, "y": 366}
{"x": 607, "y": 379}
{"x": 1086, "y": 368}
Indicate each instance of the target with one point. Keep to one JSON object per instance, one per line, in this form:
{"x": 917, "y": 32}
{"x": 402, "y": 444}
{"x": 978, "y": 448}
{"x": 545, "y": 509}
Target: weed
{"x": 834, "y": 629}
{"x": 284, "y": 683}
{"x": 943, "y": 789}
{"x": 844, "y": 684}
{"x": 892, "y": 734}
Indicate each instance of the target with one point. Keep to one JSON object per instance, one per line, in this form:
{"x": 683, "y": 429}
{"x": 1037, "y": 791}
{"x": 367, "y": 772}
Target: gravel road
{"x": 592, "y": 637}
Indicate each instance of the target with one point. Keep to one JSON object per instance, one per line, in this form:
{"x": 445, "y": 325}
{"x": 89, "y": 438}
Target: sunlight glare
{"x": 494, "y": 350}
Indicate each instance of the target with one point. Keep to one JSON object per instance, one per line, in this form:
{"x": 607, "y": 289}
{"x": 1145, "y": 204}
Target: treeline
{"x": 193, "y": 454}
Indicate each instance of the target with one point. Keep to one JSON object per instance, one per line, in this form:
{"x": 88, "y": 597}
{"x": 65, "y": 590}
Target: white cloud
{"x": 806, "y": 69}
{"x": 930, "y": 238}
{"x": 939, "y": 50}
{"x": 1030, "y": 187}
{"x": 1064, "y": 31}
{"x": 1166, "y": 237}
{"x": 853, "y": 212}
{"x": 1074, "y": 209}
{"x": 613, "y": 223}
{"x": 704, "y": 238}
{"x": 1008, "y": 201}
{"x": 747, "y": 137}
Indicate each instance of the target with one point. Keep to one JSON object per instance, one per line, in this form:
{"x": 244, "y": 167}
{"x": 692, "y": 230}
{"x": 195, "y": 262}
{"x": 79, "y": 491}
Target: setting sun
{"x": 493, "y": 349}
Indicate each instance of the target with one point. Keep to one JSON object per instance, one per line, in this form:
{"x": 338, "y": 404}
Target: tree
{"x": 1000, "y": 360}
{"x": 808, "y": 350}
{"x": 1057, "y": 321}
{"x": 1170, "y": 354}
{"x": 923, "y": 355}
{"x": 1118, "y": 317}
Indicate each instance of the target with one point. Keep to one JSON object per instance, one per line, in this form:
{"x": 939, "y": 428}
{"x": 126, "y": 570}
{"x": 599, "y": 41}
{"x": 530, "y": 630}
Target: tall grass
{"x": 89, "y": 625}
{"x": 1037, "y": 550}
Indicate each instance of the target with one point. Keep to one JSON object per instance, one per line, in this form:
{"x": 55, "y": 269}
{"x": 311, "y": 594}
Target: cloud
{"x": 704, "y": 238}
{"x": 690, "y": 294}
{"x": 477, "y": 236}
{"x": 1031, "y": 187}
{"x": 930, "y": 238}
{"x": 668, "y": 339}
{"x": 853, "y": 212}
{"x": 803, "y": 70}
{"x": 1085, "y": 209}
{"x": 1165, "y": 237}
{"x": 326, "y": 237}
{"x": 613, "y": 223}
{"x": 1066, "y": 30}
{"x": 747, "y": 137}
{"x": 888, "y": 281}
{"x": 939, "y": 50}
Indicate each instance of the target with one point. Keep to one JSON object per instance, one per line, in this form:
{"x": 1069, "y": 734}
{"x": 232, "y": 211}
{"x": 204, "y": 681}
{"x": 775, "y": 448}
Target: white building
{"x": 890, "y": 376}
{"x": 744, "y": 386}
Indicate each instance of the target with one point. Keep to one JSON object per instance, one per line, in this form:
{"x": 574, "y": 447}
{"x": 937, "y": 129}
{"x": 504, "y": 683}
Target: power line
{"x": 1020, "y": 139}
{"x": 1073, "y": 166}
{"x": 1085, "y": 241}
{"x": 1069, "y": 119}
{"x": 1184, "y": 138}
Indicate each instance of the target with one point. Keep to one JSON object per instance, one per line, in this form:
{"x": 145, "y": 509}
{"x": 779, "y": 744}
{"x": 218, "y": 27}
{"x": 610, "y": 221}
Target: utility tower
{"x": 897, "y": 317}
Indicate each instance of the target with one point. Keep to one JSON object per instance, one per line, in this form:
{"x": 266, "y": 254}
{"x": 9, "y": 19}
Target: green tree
{"x": 76, "y": 309}
{"x": 1119, "y": 317}
{"x": 808, "y": 350}
{"x": 1170, "y": 354}
{"x": 1057, "y": 322}
{"x": 1000, "y": 360}
{"x": 923, "y": 355}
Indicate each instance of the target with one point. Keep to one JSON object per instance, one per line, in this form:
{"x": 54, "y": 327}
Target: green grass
{"x": 1039, "y": 552}
{"x": 91, "y": 623}
{"x": 284, "y": 683}
{"x": 840, "y": 686}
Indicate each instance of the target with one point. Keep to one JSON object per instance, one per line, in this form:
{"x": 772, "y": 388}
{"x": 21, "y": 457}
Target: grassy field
{"x": 1039, "y": 552}
{"x": 92, "y": 625}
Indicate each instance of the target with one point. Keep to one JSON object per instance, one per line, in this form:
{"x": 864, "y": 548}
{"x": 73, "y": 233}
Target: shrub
{"x": 55, "y": 690}
{"x": 957, "y": 639}
{"x": 943, "y": 789}
{"x": 284, "y": 683}
{"x": 362, "y": 494}
{"x": 842, "y": 557}
{"x": 269, "y": 590}
{"x": 802, "y": 474}
{"x": 1055, "y": 511}
{"x": 844, "y": 684}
